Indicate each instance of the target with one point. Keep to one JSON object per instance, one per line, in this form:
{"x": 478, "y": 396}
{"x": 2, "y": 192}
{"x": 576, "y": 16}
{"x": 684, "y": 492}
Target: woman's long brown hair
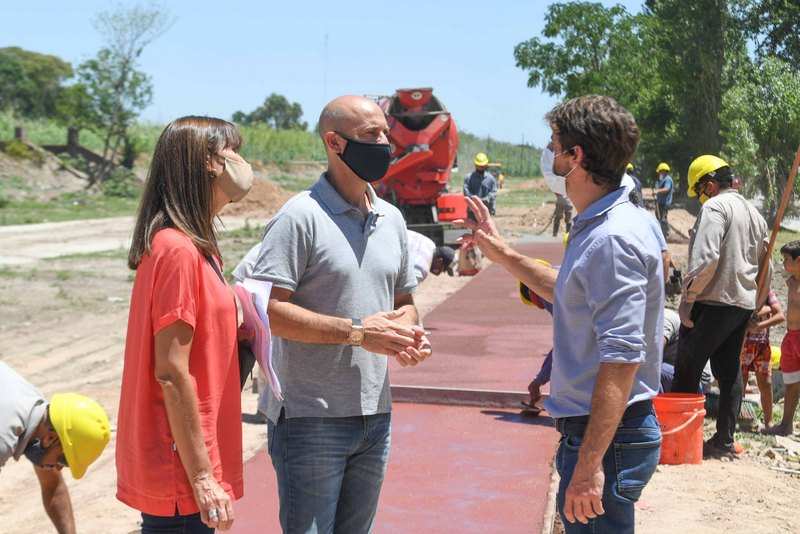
{"x": 178, "y": 193}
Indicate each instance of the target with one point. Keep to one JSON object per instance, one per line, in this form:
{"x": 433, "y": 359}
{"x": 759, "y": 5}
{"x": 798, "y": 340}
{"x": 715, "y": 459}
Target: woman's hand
{"x": 216, "y": 509}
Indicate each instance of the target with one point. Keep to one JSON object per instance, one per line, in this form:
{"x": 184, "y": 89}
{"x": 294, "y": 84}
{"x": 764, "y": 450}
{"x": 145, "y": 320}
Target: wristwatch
{"x": 356, "y": 337}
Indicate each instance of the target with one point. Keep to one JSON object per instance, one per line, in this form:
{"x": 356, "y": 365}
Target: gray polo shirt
{"x": 22, "y": 408}
{"x": 341, "y": 263}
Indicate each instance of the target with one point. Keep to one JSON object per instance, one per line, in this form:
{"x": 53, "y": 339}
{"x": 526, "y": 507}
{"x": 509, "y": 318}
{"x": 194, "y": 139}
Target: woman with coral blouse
{"x": 179, "y": 437}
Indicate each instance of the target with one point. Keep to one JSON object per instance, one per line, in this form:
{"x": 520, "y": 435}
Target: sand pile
{"x": 264, "y": 199}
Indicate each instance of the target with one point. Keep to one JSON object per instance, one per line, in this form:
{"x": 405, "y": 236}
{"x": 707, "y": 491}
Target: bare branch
{"x": 128, "y": 30}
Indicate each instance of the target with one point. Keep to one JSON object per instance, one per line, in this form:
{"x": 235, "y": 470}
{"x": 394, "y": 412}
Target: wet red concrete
{"x": 456, "y": 468}
{"x": 484, "y": 337}
{"x": 452, "y": 469}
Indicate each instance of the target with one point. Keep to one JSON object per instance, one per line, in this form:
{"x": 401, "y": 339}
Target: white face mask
{"x": 556, "y": 182}
{"x": 237, "y": 179}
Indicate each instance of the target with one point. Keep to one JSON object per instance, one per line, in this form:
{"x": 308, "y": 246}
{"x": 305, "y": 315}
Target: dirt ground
{"x": 62, "y": 325}
{"x": 717, "y": 497}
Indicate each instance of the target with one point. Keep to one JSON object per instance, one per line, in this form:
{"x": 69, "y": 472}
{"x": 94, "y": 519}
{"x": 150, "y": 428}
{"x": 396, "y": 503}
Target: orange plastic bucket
{"x": 681, "y": 418}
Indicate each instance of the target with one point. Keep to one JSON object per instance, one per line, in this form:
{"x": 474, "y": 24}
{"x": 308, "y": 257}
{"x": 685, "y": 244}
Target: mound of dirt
{"x": 264, "y": 199}
{"x": 40, "y": 180}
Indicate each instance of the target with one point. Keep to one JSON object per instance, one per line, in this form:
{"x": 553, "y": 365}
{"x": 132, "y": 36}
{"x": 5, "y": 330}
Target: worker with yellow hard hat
{"x": 719, "y": 291}
{"x": 69, "y": 431}
{"x": 481, "y": 183}
{"x": 663, "y": 191}
{"x": 636, "y": 193}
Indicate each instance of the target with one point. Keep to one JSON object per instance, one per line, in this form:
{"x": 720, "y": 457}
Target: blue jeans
{"x": 629, "y": 462}
{"x": 177, "y": 524}
{"x": 330, "y": 471}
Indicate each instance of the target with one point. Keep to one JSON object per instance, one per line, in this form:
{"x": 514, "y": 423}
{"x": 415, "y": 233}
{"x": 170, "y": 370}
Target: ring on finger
{"x": 213, "y": 514}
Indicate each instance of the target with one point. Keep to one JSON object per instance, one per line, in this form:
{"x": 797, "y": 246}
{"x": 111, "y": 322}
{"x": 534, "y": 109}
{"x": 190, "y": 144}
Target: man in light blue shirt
{"x": 608, "y": 299}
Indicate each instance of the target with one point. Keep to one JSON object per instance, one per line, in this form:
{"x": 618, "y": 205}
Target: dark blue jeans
{"x": 177, "y": 524}
{"x": 330, "y": 471}
{"x": 629, "y": 462}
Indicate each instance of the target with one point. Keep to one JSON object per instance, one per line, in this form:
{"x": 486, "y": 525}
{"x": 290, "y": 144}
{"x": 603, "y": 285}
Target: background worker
{"x": 69, "y": 431}
{"x": 719, "y": 292}
{"x": 663, "y": 191}
{"x": 630, "y": 170}
{"x": 481, "y": 183}
{"x": 427, "y": 257}
{"x": 563, "y": 209}
{"x": 605, "y": 373}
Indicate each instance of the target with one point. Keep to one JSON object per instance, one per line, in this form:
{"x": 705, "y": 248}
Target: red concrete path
{"x": 455, "y": 468}
{"x": 483, "y": 336}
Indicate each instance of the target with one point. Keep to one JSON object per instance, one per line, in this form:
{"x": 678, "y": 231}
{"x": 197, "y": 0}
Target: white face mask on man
{"x": 556, "y": 182}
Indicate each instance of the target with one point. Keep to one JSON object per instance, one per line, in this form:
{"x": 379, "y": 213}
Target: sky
{"x": 220, "y": 57}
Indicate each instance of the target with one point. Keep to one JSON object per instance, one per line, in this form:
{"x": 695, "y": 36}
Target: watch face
{"x": 356, "y": 336}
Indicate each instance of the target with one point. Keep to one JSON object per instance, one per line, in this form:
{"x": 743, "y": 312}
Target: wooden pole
{"x": 763, "y": 270}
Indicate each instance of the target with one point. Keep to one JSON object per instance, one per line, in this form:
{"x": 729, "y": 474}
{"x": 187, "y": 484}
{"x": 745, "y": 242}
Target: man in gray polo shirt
{"x": 341, "y": 303}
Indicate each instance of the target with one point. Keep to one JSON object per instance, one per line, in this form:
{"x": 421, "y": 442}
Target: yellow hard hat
{"x": 629, "y": 168}
{"x": 775, "y": 356}
{"x": 481, "y": 160}
{"x": 662, "y": 167}
{"x": 706, "y": 165}
{"x": 82, "y": 428}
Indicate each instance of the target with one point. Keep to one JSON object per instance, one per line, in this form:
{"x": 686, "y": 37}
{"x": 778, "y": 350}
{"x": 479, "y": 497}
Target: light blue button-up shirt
{"x": 609, "y": 303}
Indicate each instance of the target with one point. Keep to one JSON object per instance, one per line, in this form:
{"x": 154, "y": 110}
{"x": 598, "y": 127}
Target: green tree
{"x": 277, "y": 112}
{"x": 696, "y": 43}
{"x": 670, "y": 66}
{"x": 773, "y": 24}
{"x": 108, "y": 106}
{"x": 762, "y": 127}
{"x": 30, "y": 83}
{"x": 112, "y": 91}
{"x": 591, "y": 49}
{"x": 584, "y": 48}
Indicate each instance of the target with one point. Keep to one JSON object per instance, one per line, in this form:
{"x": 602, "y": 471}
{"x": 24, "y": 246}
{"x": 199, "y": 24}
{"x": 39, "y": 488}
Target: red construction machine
{"x": 424, "y": 143}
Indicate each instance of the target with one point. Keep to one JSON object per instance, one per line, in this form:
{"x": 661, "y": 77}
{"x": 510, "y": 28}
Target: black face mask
{"x": 369, "y": 161}
{"x": 35, "y": 452}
